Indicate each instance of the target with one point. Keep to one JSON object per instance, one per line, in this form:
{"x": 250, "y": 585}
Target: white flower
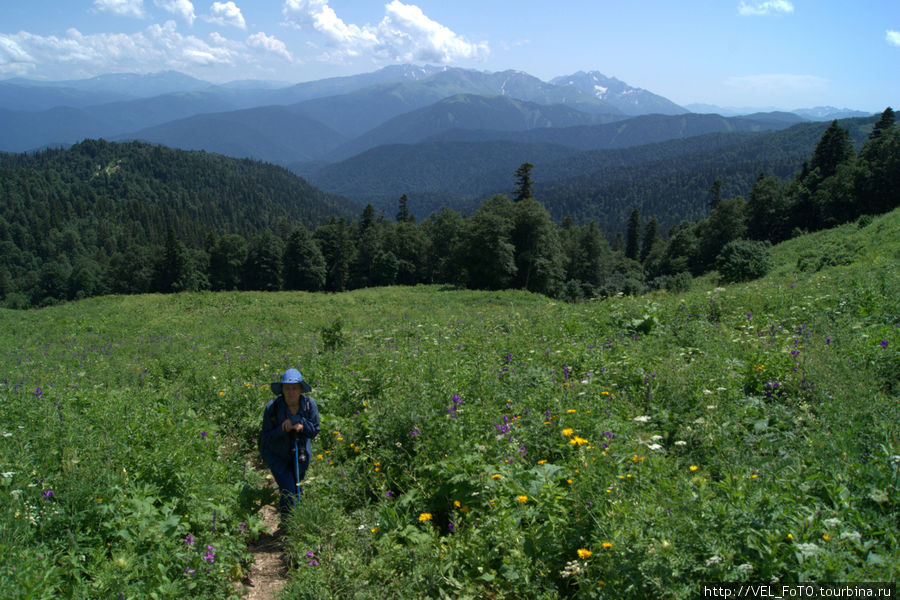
{"x": 851, "y": 535}
{"x": 681, "y": 443}
{"x": 745, "y": 568}
{"x": 656, "y": 438}
{"x": 713, "y": 560}
{"x": 832, "y": 523}
{"x": 642, "y": 419}
{"x": 808, "y": 550}
{"x": 655, "y": 447}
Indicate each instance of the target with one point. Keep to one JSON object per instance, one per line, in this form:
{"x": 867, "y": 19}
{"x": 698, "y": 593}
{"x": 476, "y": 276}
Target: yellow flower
{"x": 607, "y": 545}
{"x": 464, "y": 509}
{"x": 425, "y": 517}
{"x": 694, "y": 467}
{"x": 495, "y": 476}
{"x": 374, "y": 530}
{"x": 826, "y": 537}
{"x": 604, "y": 393}
{"x": 578, "y": 441}
{"x": 543, "y": 461}
{"x": 571, "y": 411}
{"x": 522, "y": 499}
{"x": 319, "y": 456}
{"x": 790, "y": 536}
{"x": 569, "y": 481}
{"x": 584, "y": 553}
{"x": 567, "y": 431}
{"x": 608, "y": 490}
{"x": 456, "y": 503}
{"x": 221, "y": 393}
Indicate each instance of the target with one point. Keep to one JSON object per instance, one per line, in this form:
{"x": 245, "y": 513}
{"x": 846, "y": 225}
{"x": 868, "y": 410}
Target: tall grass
{"x": 474, "y": 444}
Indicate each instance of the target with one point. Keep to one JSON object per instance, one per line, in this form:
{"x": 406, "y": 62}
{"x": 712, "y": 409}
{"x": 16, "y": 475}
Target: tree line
{"x": 505, "y": 243}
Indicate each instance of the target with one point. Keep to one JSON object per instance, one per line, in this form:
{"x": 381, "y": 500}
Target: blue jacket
{"x": 275, "y": 444}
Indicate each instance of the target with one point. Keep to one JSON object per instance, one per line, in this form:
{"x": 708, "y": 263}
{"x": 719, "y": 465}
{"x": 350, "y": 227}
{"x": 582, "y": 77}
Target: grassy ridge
{"x": 474, "y": 444}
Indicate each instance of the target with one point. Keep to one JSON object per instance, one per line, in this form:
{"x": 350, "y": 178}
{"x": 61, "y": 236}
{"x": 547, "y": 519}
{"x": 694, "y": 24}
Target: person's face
{"x": 291, "y": 391}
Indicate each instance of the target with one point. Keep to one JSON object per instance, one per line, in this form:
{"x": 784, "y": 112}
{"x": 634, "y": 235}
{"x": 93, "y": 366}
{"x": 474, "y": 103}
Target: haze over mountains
{"x": 446, "y": 133}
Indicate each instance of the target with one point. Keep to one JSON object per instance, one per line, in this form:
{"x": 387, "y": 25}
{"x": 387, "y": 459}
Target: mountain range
{"x": 446, "y": 134}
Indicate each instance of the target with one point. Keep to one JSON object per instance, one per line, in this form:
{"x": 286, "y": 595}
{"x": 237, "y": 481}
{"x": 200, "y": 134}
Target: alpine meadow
{"x": 330, "y": 300}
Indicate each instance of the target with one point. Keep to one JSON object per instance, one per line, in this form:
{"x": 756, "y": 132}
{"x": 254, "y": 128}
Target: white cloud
{"x": 121, "y": 8}
{"x": 753, "y": 9}
{"x": 179, "y": 8}
{"x": 159, "y": 47}
{"x": 270, "y": 44}
{"x": 893, "y": 37}
{"x": 226, "y": 14}
{"x": 405, "y": 33}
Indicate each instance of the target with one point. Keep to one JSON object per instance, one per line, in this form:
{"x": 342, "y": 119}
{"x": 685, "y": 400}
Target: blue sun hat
{"x": 290, "y": 376}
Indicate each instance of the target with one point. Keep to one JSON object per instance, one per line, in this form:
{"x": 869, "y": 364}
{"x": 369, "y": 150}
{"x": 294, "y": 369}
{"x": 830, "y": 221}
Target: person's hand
{"x": 288, "y": 426}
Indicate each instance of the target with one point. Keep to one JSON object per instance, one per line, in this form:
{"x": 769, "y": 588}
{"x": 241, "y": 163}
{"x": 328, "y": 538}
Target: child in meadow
{"x": 291, "y": 416}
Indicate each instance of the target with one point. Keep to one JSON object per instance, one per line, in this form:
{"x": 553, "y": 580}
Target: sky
{"x": 781, "y": 54}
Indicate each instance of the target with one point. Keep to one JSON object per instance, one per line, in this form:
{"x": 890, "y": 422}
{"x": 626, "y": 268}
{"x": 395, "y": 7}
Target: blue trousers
{"x": 285, "y": 477}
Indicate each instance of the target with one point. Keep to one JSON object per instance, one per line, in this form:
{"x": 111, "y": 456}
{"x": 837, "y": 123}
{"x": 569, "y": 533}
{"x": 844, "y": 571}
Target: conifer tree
{"x": 523, "y": 182}
{"x": 633, "y": 235}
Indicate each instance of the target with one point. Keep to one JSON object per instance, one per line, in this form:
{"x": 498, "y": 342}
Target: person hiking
{"x": 290, "y": 421}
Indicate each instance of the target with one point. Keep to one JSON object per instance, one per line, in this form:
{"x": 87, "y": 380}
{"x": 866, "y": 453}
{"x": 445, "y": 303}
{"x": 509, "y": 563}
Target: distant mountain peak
{"x": 630, "y": 100}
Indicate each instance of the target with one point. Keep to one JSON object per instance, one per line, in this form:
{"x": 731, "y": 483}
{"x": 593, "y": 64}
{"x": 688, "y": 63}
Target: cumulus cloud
{"x": 755, "y": 9}
{"x": 269, "y": 44}
{"x": 79, "y": 55}
{"x": 893, "y": 37}
{"x": 405, "y": 33}
{"x": 226, "y": 14}
{"x": 121, "y": 8}
{"x": 179, "y": 8}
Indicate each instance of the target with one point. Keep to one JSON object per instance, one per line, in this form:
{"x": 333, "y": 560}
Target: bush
{"x": 743, "y": 260}
{"x": 680, "y": 282}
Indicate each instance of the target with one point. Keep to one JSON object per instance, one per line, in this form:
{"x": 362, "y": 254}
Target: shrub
{"x": 743, "y": 260}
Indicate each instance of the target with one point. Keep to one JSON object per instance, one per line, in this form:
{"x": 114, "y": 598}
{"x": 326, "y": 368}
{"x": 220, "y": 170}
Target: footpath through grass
{"x": 474, "y": 444}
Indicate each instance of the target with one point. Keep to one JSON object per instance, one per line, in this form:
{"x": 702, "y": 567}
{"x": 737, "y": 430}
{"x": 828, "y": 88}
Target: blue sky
{"x": 749, "y": 53}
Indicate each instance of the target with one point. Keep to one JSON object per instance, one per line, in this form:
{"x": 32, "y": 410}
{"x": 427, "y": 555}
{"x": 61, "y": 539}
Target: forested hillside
{"x": 132, "y": 218}
{"x": 87, "y": 220}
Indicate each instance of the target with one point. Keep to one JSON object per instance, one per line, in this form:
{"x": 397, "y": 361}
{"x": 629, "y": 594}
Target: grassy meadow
{"x": 474, "y": 444}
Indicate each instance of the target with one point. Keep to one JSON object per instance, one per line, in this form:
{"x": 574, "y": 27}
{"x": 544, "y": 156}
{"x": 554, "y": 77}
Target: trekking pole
{"x": 297, "y": 468}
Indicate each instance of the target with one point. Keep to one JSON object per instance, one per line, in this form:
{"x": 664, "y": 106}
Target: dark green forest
{"x": 105, "y": 218}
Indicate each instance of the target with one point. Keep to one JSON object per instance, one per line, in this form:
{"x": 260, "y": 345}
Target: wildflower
{"x": 374, "y": 530}
{"x": 713, "y": 560}
{"x": 828, "y": 340}
{"x": 826, "y": 537}
{"x": 655, "y": 447}
{"x": 310, "y": 554}
{"x": 189, "y": 571}
{"x": 48, "y": 494}
{"x": 884, "y": 343}
{"x": 578, "y": 441}
{"x": 607, "y": 545}
{"x": 567, "y": 431}
{"x": 542, "y": 461}
{"x": 584, "y": 553}
{"x": 522, "y": 499}
{"x": 571, "y": 411}
{"x": 203, "y": 434}
{"x": 495, "y": 476}
{"x": 313, "y": 563}
{"x": 642, "y": 419}
{"x": 415, "y": 432}
{"x": 210, "y": 555}
{"x": 694, "y": 467}
{"x": 790, "y": 536}
{"x": 221, "y": 393}
{"x": 425, "y": 517}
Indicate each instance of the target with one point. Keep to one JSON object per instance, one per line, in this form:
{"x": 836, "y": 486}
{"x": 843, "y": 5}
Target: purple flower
{"x": 387, "y": 494}
{"x": 415, "y": 432}
{"x": 48, "y": 494}
{"x": 313, "y": 563}
{"x": 749, "y": 315}
{"x": 189, "y": 540}
{"x": 884, "y": 343}
{"x": 210, "y": 555}
{"x": 450, "y": 527}
{"x": 243, "y": 527}
{"x": 38, "y": 393}
{"x": 203, "y": 434}
{"x": 310, "y": 554}
{"x": 189, "y": 571}
{"x": 828, "y": 340}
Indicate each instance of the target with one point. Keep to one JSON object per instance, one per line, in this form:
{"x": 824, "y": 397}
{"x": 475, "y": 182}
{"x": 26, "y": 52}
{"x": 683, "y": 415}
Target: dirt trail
{"x": 269, "y": 571}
